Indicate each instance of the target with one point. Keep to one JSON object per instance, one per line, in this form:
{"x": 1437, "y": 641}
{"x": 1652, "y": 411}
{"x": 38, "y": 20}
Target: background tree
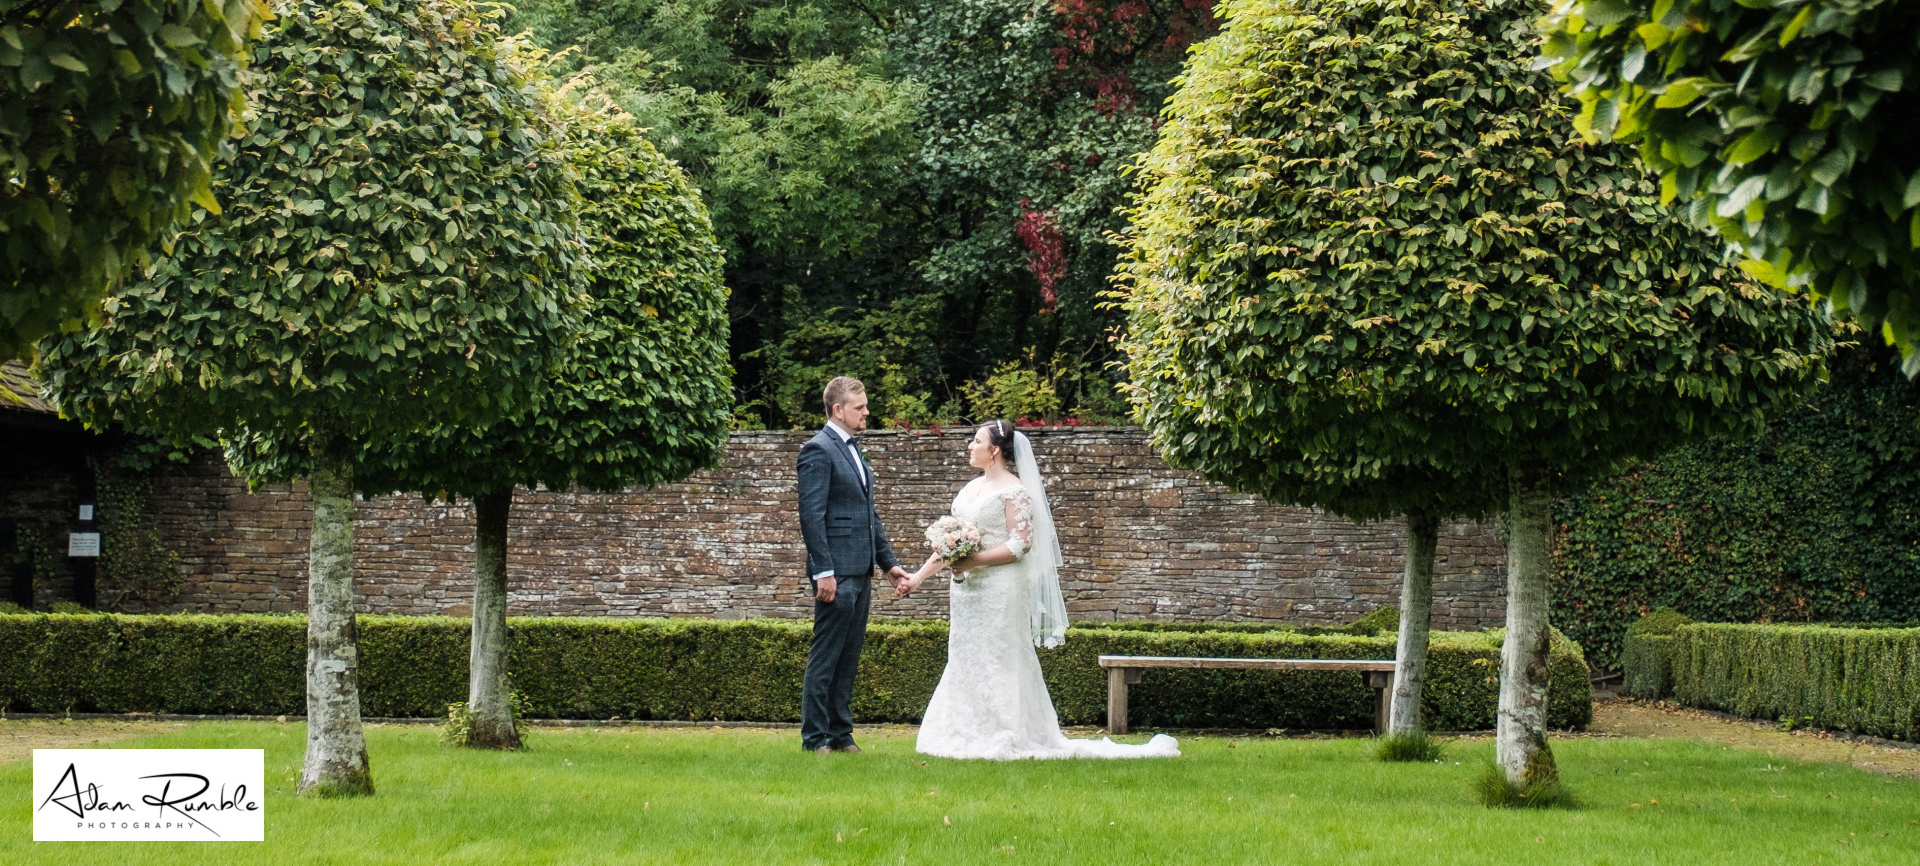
{"x": 396, "y": 252}
{"x": 1032, "y": 113}
{"x": 917, "y": 194}
{"x": 111, "y": 115}
{"x": 1778, "y": 123}
{"x": 797, "y": 125}
{"x": 1371, "y": 245}
{"x": 641, "y": 398}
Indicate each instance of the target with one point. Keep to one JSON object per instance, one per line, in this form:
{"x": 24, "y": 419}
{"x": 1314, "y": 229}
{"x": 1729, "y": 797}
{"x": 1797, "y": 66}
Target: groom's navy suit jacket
{"x": 837, "y": 518}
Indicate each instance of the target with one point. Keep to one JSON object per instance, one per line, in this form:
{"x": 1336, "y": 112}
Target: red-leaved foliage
{"x": 1102, "y": 35}
{"x": 1046, "y": 251}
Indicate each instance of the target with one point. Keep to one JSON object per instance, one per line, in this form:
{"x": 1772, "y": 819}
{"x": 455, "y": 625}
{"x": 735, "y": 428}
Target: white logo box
{"x": 146, "y": 795}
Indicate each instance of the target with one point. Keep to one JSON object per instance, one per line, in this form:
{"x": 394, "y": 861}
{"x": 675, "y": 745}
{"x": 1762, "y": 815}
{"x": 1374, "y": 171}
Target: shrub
{"x": 1854, "y": 679}
{"x": 1492, "y": 788}
{"x": 578, "y": 667}
{"x": 1414, "y": 748}
{"x": 1385, "y": 618}
{"x": 1660, "y": 622}
{"x": 1644, "y": 653}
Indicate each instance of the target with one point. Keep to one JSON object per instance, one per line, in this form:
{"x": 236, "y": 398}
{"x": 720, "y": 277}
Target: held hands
{"x": 905, "y": 584}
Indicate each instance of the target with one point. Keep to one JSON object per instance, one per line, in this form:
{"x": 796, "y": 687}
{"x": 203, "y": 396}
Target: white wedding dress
{"x": 992, "y": 702}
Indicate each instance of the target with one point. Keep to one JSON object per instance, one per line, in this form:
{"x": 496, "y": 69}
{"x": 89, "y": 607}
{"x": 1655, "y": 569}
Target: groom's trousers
{"x": 839, "y": 631}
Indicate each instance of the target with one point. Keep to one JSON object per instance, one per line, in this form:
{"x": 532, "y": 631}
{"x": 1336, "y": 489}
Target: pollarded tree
{"x": 644, "y": 397}
{"x": 1372, "y": 255}
{"x": 397, "y": 252}
{"x": 111, "y": 115}
{"x": 1782, "y": 124}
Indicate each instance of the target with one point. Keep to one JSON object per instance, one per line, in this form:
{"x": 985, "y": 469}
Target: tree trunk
{"x": 1416, "y": 615}
{"x": 487, "y": 697}
{"x": 1520, "y": 740}
{"x": 336, "y": 763}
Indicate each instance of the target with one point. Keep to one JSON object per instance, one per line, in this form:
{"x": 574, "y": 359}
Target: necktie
{"x": 859, "y": 466}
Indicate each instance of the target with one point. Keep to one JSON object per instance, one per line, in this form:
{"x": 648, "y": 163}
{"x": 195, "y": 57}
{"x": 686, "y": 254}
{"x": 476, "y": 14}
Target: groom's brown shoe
{"x": 823, "y": 750}
{"x": 850, "y": 747}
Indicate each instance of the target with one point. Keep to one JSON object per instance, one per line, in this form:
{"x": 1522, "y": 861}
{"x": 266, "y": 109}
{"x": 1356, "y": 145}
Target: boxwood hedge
{"x": 586, "y": 668}
{"x": 1864, "y": 680}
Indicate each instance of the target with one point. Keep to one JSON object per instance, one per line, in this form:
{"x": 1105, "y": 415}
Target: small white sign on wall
{"x": 83, "y": 544}
{"x": 129, "y": 795}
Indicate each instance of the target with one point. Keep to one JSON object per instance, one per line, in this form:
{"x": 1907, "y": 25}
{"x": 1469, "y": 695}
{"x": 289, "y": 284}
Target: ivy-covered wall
{"x": 1815, "y": 520}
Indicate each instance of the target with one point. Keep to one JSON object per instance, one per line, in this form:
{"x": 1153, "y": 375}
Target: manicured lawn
{"x": 750, "y": 796}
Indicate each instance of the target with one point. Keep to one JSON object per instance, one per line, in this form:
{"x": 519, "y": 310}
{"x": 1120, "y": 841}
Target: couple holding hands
{"x": 1005, "y": 600}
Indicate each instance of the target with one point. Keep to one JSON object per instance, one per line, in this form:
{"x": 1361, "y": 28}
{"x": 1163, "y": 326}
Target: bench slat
{"x": 1255, "y": 664}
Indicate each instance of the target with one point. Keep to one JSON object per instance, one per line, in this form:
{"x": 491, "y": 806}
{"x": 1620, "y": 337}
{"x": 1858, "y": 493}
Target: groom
{"x": 844, "y": 543}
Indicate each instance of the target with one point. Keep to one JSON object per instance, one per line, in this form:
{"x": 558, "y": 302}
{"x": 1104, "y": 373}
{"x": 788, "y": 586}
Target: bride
{"x": 991, "y": 701}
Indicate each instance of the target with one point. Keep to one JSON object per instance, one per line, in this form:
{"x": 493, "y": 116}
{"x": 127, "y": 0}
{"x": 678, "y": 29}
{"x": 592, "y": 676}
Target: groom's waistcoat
{"x": 837, "y": 518}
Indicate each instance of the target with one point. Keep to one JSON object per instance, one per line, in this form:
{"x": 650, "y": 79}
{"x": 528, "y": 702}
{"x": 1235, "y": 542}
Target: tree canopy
{"x": 1778, "y": 124}
{"x": 112, "y": 113}
{"x": 1381, "y": 264}
{"x": 641, "y": 396}
{"x": 396, "y": 249}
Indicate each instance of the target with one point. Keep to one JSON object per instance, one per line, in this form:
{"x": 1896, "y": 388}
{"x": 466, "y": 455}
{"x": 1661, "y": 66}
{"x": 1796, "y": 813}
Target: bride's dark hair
{"x": 1000, "y": 435}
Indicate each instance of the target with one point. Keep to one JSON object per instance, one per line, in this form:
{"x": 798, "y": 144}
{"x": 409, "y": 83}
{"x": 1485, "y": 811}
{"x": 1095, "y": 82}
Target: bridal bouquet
{"x": 952, "y": 538}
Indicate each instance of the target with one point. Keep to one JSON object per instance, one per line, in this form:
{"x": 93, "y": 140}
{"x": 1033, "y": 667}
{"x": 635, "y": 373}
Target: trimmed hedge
{"x": 1852, "y": 679}
{"x": 586, "y": 668}
{"x": 1644, "y": 654}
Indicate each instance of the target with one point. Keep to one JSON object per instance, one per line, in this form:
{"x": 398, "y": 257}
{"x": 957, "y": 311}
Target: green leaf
{"x": 176, "y": 36}
{"x": 1764, "y": 272}
{"x": 1828, "y": 169}
{"x": 1653, "y": 34}
{"x": 1755, "y": 144}
{"x": 1606, "y": 13}
{"x": 1794, "y": 26}
{"x": 67, "y": 62}
{"x": 1679, "y": 94}
{"x": 1746, "y": 193}
{"x": 1888, "y": 80}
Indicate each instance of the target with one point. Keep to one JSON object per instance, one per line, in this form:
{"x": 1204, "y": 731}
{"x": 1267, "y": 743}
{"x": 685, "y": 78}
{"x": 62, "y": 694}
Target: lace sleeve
{"x": 1019, "y": 520}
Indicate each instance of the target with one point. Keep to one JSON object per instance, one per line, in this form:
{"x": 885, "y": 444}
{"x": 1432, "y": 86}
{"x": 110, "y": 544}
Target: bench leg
{"x": 1382, "y": 682}
{"x": 1117, "y": 700}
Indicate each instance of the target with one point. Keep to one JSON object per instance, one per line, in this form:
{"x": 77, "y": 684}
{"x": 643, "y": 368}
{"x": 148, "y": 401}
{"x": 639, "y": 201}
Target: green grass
{"x": 750, "y": 796}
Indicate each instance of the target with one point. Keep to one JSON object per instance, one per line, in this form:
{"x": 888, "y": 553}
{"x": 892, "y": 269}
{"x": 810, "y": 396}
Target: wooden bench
{"x": 1123, "y": 671}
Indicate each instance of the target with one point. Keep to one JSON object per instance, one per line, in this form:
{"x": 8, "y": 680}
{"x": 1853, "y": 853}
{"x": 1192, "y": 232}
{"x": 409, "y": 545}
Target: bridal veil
{"x": 1049, "y": 615}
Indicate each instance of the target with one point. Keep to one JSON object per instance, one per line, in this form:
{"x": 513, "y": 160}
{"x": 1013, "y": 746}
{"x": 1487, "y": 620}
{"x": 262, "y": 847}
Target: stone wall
{"x": 1142, "y": 541}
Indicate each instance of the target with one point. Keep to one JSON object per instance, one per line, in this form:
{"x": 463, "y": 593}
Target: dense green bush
{"x": 1816, "y": 519}
{"x": 1644, "y": 655}
{"x": 1647, "y": 660}
{"x": 576, "y": 667}
{"x": 1660, "y": 622}
{"x": 1853, "y": 679}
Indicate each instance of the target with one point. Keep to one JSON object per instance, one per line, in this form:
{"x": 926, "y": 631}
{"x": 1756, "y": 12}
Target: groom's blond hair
{"x": 839, "y": 390}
